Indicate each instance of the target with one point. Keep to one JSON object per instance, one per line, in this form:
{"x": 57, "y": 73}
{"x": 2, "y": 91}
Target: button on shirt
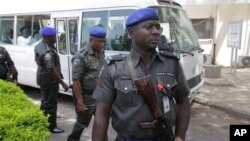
{"x": 129, "y": 107}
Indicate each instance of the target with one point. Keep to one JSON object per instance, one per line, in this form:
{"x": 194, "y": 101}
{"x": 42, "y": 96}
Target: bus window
{"x": 24, "y": 30}
{"x": 178, "y": 30}
{"x": 28, "y": 28}
{"x": 73, "y": 23}
{"x": 6, "y": 29}
{"x": 91, "y": 19}
{"x": 117, "y": 38}
{"x": 39, "y": 22}
{"x": 61, "y": 37}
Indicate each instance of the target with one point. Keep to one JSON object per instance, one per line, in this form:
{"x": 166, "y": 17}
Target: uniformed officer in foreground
{"x": 8, "y": 70}
{"x": 118, "y": 97}
{"x": 49, "y": 75}
{"x": 86, "y": 65}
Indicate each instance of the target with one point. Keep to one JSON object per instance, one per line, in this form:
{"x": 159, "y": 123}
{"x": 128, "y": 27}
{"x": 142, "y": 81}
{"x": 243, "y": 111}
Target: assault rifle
{"x": 146, "y": 89}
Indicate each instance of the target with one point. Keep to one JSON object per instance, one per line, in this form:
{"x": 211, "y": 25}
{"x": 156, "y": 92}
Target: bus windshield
{"x": 177, "y": 31}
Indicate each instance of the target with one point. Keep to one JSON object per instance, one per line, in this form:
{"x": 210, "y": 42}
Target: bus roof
{"x": 29, "y": 6}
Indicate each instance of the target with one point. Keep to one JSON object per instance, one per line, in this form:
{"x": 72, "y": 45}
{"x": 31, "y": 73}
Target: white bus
{"x": 74, "y": 18}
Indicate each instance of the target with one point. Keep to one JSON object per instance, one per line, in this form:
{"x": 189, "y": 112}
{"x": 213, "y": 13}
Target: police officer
{"x": 49, "y": 75}
{"x": 118, "y": 97}
{"x": 7, "y": 67}
{"x": 86, "y": 65}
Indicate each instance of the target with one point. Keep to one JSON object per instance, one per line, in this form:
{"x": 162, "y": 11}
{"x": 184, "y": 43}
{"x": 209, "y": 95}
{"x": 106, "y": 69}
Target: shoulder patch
{"x": 113, "y": 58}
{"x": 48, "y": 55}
{"x": 76, "y": 62}
{"x": 170, "y": 54}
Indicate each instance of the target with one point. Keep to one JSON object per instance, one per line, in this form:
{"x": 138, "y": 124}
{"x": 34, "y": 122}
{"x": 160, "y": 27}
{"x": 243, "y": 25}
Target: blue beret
{"x": 97, "y": 32}
{"x": 141, "y": 15}
{"x": 48, "y": 31}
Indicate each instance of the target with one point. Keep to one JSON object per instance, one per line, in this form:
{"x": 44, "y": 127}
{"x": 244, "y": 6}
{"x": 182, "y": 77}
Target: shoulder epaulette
{"x": 47, "y": 51}
{"x": 84, "y": 52}
{"x": 113, "y": 58}
{"x": 170, "y": 54}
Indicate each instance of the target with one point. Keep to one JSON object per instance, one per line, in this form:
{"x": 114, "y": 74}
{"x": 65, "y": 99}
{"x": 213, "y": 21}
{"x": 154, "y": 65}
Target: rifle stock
{"x": 146, "y": 89}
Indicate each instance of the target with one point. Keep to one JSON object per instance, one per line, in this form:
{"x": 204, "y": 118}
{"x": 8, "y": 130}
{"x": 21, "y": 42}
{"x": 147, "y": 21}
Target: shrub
{"x": 20, "y": 119}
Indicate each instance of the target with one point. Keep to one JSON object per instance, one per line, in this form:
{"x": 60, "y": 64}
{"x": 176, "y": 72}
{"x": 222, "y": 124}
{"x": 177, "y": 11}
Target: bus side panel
{"x": 24, "y": 60}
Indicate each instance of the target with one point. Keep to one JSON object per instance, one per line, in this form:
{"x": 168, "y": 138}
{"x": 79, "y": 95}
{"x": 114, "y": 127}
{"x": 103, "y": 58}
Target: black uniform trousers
{"x": 49, "y": 103}
{"x": 82, "y": 118}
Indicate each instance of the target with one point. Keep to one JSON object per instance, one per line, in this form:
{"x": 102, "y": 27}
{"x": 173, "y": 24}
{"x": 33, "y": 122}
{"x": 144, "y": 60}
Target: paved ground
{"x": 231, "y": 92}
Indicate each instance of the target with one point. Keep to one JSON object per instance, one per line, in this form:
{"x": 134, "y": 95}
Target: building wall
{"x": 211, "y": 2}
{"x": 200, "y": 11}
{"x": 223, "y": 14}
{"x": 226, "y": 14}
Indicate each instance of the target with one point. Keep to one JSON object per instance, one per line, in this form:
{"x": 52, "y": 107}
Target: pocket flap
{"x": 123, "y": 85}
{"x": 168, "y": 81}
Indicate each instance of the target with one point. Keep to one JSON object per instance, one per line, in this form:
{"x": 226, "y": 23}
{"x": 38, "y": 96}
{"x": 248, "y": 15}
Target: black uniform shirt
{"x": 6, "y": 64}
{"x": 129, "y": 107}
{"x": 46, "y": 58}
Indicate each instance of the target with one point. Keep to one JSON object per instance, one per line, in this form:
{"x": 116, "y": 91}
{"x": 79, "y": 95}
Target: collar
{"x": 136, "y": 56}
{"x": 90, "y": 50}
{"x": 161, "y": 57}
{"x": 47, "y": 47}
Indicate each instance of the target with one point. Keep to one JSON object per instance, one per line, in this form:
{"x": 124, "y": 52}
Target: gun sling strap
{"x": 162, "y": 121}
{"x": 131, "y": 67}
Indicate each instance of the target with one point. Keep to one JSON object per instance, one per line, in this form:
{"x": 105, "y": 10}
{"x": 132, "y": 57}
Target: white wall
{"x": 210, "y": 2}
{"x": 201, "y": 11}
{"x": 223, "y": 14}
{"x": 226, "y": 14}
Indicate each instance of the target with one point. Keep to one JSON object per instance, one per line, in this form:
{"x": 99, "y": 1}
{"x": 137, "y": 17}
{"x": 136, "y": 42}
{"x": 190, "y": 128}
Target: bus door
{"x": 67, "y": 41}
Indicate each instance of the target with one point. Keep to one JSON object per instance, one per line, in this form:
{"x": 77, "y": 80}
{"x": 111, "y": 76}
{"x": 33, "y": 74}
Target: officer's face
{"x": 97, "y": 43}
{"x": 146, "y": 35}
{"x": 51, "y": 40}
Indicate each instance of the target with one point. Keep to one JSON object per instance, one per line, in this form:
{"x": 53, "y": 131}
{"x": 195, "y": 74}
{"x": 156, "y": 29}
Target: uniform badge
{"x": 165, "y": 74}
{"x": 47, "y": 56}
{"x": 76, "y": 62}
{"x": 98, "y": 81}
{"x": 160, "y": 86}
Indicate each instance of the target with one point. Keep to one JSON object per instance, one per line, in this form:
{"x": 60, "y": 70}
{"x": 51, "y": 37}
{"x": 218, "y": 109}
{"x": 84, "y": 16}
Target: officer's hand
{"x": 65, "y": 87}
{"x": 81, "y": 107}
